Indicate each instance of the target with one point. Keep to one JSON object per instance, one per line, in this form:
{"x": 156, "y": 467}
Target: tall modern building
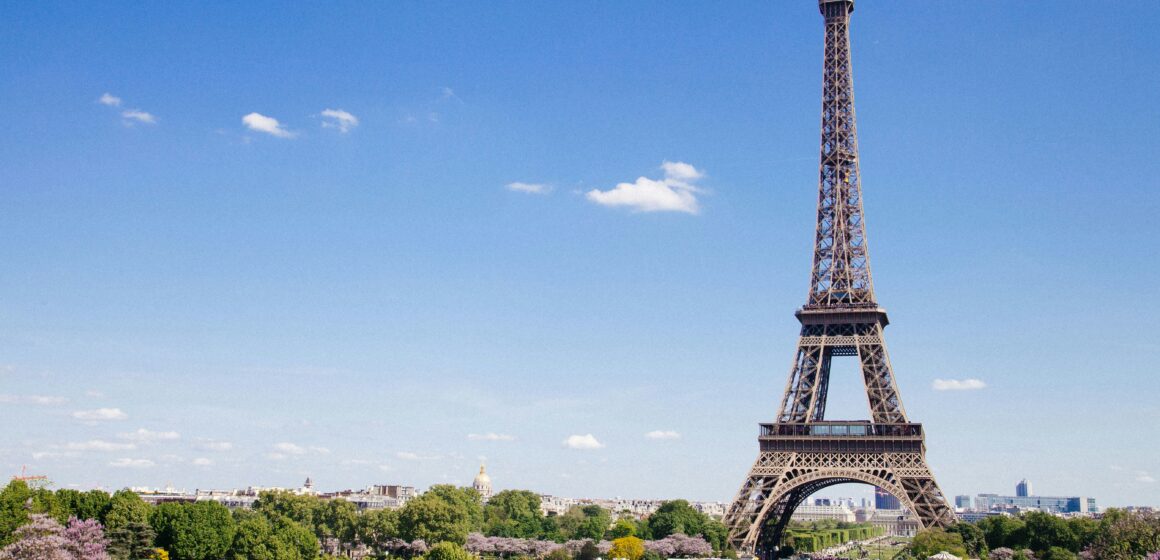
{"x": 1051, "y": 504}
{"x": 885, "y": 500}
{"x": 1023, "y": 489}
{"x": 963, "y": 502}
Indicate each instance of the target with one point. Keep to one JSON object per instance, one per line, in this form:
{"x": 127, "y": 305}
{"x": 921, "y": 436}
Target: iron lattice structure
{"x": 802, "y": 452}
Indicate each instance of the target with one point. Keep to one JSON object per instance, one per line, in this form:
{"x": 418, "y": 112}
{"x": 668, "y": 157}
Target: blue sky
{"x": 288, "y": 242}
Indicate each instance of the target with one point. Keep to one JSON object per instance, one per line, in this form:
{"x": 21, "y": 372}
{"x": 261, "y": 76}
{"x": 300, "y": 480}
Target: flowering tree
{"x": 39, "y": 539}
{"x": 628, "y": 548}
{"x": 1002, "y": 553}
{"x": 85, "y": 539}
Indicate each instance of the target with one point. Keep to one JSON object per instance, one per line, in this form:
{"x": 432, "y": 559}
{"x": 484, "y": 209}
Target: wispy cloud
{"x": 214, "y": 445}
{"x": 287, "y": 448}
{"x": 100, "y": 414}
{"x": 663, "y": 434}
{"x": 269, "y": 125}
{"x": 675, "y": 192}
{"x": 412, "y": 456}
{"x": 202, "y": 462}
{"x": 1143, "y": 476}
{"x": 109, "y": 99}
{"x": 137, "y": 115}
{"x": 337, "y": 118}
{"x": 491, "y": 436}
{"x": 128, "y": 463}
{"x": 531, "y": 188}
{"x": 143, "y": 435}
{"x": 957, "y": 384}
{"x": 586, "y": 441}
{"x": 99, "y": 445}
{"x": 40, "y": 400}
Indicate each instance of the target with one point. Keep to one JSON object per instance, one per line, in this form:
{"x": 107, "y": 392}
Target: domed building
{"x": 482, "y": 483}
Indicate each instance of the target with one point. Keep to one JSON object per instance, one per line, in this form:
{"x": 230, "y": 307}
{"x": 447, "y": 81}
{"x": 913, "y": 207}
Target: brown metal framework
{"x": 803, "y": 453}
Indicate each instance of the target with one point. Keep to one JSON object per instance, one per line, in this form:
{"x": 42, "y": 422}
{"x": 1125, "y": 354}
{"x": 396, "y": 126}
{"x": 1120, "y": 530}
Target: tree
{"x": 974, "y": 540}
{"x": 1123, "y": 535}
{"x": 447, "y": 551}
{"x": 338, "y": 519}
{"x": 1058, "y": 553}
{"x": 588, "y": 552}
{"x": 464, "y": 500}
{"x": 85, "y": 539}
{"x": 126, "y": 522}
{"x": 585, "y": 522}
{"x": 676, "y": 516}
{"x": 13, "y": 511}
{"x": 39, "y": 539}
{"x": 1004, "y": 532}
{"x": 1045, "y": 530}
{"x": 622, "y": 528}
{"x": 301, "y": 509}
{"x": 432, "y": 519}
{"x": 628, "y": 548}
{"x": 929, "y": 542}
{"x": 93, "y": 504}
{"x": 197, "y": 531}
{"x": 376, "y": 526}
{"x": 514, "y": 513}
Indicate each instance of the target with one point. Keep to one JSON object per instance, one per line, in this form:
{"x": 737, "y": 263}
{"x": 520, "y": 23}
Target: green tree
{"x": 254, "y": 540}
{"x": 929, "y": 542}
{"x": 296, "y": 535}
{"x": 376, "y": 526}
{"x": 338, "y": 519}
{"x": 93, "y": 504}
{"x": 676, "y": 516}
{"x": 1085, "y": 530}
{"x": 588, "y": 552}
{"x": 622, "y": 528}
{"x": 197, "y": 531}
{"x": 1123, "y": 535}
{"x": 464, "y": 500}
{"x": 126, "y": 522}
{"x": 974, "y": 540}
{"x": 1045, "y": 530}
{"x": 13, "y": 512}
{"x": 1003, "y": 531}
{"x": 514, "y": 513}
{"x": 300, "y": 509}
{"x": 447, "y": 551}
{"x": 1058, "y": 553}
{"x": 433, "y": 519}
{"x": 585, "y": 522}
{"x": 628, "y": 548}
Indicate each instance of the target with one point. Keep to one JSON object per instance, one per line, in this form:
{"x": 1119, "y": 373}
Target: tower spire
{"x": 841, "y": 268}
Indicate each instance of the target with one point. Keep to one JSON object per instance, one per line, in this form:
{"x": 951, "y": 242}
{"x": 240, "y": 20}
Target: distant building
{"x": 1050, "y": 504}
{"x": 1023, "y": 489}
{"x": 963, "y": 502}
{"x": 482, "y": 483}
{"x": 822, "y": 512}
{"x": 885, "y": 500}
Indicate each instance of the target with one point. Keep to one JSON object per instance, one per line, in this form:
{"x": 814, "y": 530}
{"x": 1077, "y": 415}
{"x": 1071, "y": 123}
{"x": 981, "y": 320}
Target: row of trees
{"x": 815, "y": 536}
{"x": 1118, "y": 535}
{"x": 285, "y": 525}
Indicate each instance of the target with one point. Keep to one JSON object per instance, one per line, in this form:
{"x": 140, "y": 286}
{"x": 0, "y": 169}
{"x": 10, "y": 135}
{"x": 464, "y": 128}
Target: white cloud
{"x": 110, "y": 100}
{"x": 95, "y": 394}
{"x": 99, "y": 445}
{"x": 532, "y": 188}
{"x": 261, "y": 123}
{"x": 138, "y": 115}
{"x": 290, "y": 448}
{"x": 144, "y": 435}
{"x": 132, "y": 463}
{"x": 386, "y": 468}
{"x": 674, "y": 193}
{"x": 276, "y": 456}
{"x": 53, "y": 454}
{"x": 100, "y": 414}
{"x": 337, "y": 118}
{"x": 957, "y": 384}
{"x": 663, "y": 434}
{"x": 1143, "y": 476}
{"x": 214, "y": 445}
{"x": 491, "y": 436}
{"x": 203, "y": 462}
{"x": 586, "y": 441}
{"x": 411, "y": 456}
{"x": 41, "y": 400}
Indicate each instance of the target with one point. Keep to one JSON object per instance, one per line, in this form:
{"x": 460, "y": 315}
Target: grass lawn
{"x": 883, "y": 550}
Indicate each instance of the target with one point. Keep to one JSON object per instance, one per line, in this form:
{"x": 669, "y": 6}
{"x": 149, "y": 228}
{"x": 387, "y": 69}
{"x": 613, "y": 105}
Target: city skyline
{"x": 543, "y": 239}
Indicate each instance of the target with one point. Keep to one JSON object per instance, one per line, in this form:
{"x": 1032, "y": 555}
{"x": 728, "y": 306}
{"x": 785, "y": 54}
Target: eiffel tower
{"x": 802, "y": 452}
